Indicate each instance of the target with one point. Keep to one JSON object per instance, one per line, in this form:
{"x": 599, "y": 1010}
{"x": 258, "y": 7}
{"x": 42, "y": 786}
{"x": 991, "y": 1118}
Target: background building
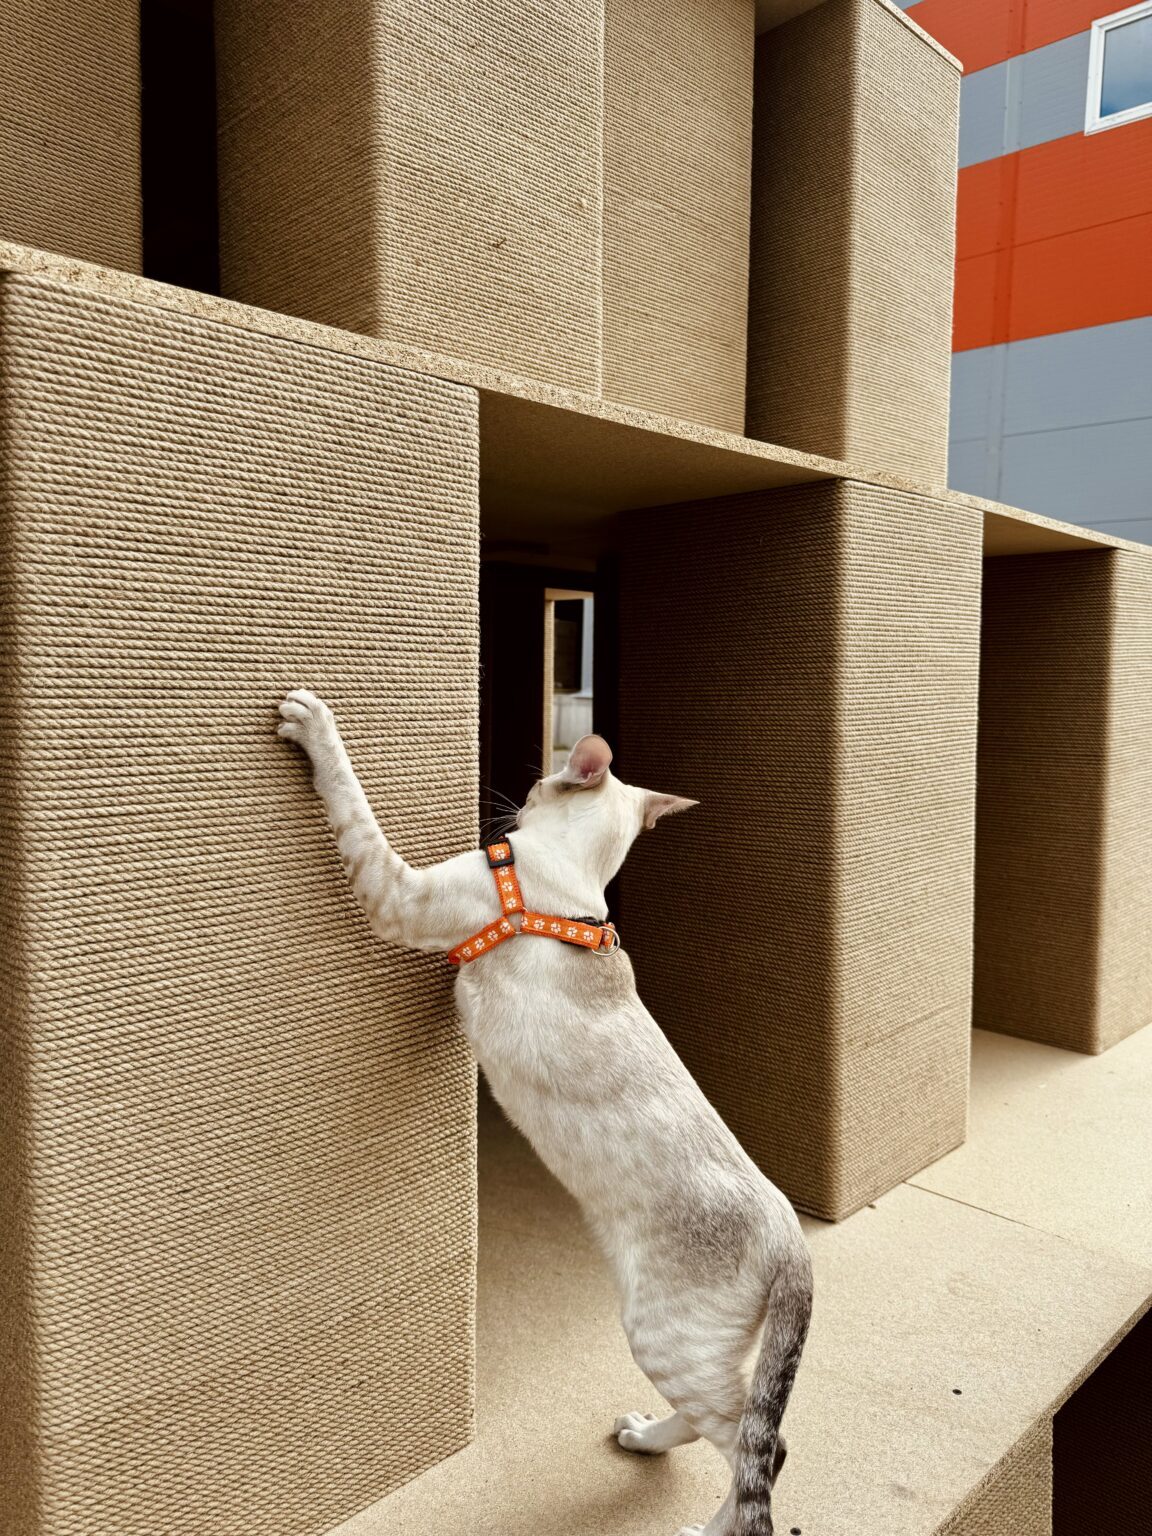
{"x": 1052, "y": 367}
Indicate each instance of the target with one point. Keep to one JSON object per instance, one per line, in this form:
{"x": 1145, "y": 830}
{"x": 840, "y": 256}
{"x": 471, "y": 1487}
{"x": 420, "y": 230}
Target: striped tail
{"x": 759, "y": 1448}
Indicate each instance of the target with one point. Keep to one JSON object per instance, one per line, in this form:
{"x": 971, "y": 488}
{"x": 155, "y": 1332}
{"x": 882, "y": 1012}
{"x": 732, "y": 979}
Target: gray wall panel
{"x": 983, "y": 104}
{"x": 1060, "y": 425}
{"x": 1024, "y": 101}
{"x": 977, "y": 393}
{"x": 971, "y": 468}
{"x": 1076, "y": 378}
{"x": 1139, "y": 529}
{"x": 1046, "y": 92}
{"x": 1089, "y": 475}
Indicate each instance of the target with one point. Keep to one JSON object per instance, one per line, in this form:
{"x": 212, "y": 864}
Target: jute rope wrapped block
{"x": 426, "y": 173}
{"x": 805, "y": 662}
{"x": 1064, "y": 840}
{"x": 238, "y": 1197}
{"x": 853, "y": 220}
{"x": 1126, "y": 932}
{"x": 677, "y": 170}
{"x": 70, "y": 124}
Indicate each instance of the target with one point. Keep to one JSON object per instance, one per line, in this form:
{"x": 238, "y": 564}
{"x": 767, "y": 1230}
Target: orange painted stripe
{"x": 1089, "y": 277}
{"x": 974, "y": 318}
{"x": 1085, "y": 179}
{"x": 985, "y": 32}
{"x": 1054, "y": 188}
{"x": 1086, "y": 277}
{"x": 984, "y": 208}
{"x": 1047, "y": 21}
{"x": 978, "y": 32}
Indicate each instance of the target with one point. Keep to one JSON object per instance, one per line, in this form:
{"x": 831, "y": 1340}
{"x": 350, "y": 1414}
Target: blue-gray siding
{"x": 1027, "y": 100}
{"x": 1060, "y": 425}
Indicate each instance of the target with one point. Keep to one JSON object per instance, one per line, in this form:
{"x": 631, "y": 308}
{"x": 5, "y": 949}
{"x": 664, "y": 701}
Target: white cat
{"x": 707, "y": 1254}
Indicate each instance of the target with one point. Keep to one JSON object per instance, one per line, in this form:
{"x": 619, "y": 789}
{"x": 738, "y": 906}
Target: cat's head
{"x": 586, "y": 801}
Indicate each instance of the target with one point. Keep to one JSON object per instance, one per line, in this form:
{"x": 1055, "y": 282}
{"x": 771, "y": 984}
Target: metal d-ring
{"x": 612, "y": 948}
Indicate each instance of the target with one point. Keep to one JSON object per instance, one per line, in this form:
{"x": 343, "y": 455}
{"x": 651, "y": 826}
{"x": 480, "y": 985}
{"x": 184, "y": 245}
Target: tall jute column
{"x": 70, "y": 128}
{"x": 429, "y": 173}
{"x": 1064, "y": 841}
{"x": 853, "y": 220}
{"x": 677, "y": 169}
{"x": 238, "y": 1197}
{"x": 805, "y": 662}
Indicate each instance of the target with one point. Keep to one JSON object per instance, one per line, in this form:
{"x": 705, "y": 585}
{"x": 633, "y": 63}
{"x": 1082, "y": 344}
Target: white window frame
{"x": 1093, "y": 122}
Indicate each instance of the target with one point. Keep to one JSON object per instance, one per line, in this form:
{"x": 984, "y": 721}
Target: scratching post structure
{"x": 238, "y": 1130}
{"x": 677, "y": 178}
{"x": 426, "y": 173}
{"x": 70, "y": 128}
{"x": 816, "y": 658}
{"x": 1064, "y": 872}
{"x": 528, "y": 271}
{"x": 559, "y": 193}
{"x": 853, "y": 235}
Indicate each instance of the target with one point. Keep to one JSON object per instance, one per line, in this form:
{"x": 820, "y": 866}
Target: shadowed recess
{"x": 1042, "y": 766}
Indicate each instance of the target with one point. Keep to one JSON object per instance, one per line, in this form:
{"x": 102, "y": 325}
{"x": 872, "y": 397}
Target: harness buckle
{"x": 499, "y": 855}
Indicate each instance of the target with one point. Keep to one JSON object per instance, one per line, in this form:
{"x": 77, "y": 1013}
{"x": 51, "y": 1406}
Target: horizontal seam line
{"x": 1020, "y": 245}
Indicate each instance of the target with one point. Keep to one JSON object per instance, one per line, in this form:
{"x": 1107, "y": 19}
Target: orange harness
{"x": 600, "y": 938}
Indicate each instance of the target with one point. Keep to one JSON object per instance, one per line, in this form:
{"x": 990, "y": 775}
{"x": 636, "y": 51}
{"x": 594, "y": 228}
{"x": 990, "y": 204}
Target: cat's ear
{"x": 588, "y": 762}
{"x": 656, "y": 806}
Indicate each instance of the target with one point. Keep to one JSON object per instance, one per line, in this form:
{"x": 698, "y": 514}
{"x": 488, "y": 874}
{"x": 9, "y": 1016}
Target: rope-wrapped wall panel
{"x": 70, "y": 128}
{"x": 1126, "y": 935}
{"x": 804, "y": 661}
{"x": 1064, "y": 843}
{"x": 429, "y": 174}
{"x": 853, "y": 233}
{"x": 1045, "y": 660}
{"x": 239, "y": 1130}
{"x": 677, "y": 175}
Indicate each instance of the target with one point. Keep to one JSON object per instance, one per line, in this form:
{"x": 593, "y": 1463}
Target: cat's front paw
{"x": 307, "y": 719}
{"x": 633, "y": 1432}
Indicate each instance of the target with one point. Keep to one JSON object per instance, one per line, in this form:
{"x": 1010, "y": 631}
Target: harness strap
{"x": 601, "y": 938}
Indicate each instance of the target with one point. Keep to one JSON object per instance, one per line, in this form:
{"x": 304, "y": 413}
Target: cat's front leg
{"x": 393, "y": 895}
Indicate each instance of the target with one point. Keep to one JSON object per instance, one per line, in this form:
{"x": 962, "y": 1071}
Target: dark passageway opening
{"x": 178, "y": 143}
{"x": 1101, "y": 1470}
{"x": 547, "y": 673}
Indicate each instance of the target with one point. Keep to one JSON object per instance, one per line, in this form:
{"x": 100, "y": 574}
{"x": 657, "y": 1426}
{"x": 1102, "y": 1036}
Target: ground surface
{"x": 1002, "y": 1271}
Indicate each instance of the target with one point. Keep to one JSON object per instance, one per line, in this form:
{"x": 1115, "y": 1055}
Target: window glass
{"x": 1126, "y": 79}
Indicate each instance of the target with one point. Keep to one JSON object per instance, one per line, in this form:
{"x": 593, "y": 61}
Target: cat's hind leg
{"x": 700, "y": 1376}
{"x": 650, "y": 1436}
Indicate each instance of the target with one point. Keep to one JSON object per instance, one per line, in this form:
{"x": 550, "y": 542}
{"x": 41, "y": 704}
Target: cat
{"x": 708, "y": 1256}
